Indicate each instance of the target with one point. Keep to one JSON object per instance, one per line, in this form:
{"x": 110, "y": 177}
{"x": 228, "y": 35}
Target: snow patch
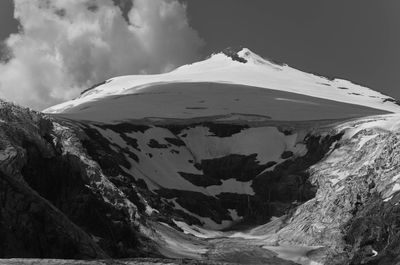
{"x": 197, "y": 231}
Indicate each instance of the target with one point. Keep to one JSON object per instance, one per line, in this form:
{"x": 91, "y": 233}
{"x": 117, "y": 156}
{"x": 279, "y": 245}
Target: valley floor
{"x": 222, "y": 251}
{"x": 254, "y": 246}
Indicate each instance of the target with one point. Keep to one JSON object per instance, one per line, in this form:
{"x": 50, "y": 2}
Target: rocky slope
{"x": 354, "y": 213}
{"x": 55, "y": 200}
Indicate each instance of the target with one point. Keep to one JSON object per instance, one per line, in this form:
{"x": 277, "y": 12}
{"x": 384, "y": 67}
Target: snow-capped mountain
{"x": 197, "y": 131}
{"x": 232, "y": 159}
{"x": 227, "y": 84}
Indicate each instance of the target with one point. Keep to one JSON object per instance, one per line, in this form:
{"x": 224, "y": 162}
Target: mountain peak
{"x": 236, "y": 53}
{"x": 245, "y": 55}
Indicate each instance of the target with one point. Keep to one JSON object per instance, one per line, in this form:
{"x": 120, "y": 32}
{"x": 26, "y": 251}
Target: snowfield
{"x": 196, "y": 100}
{"x": 221, "y": 85}
{"x": 159, "y": 165}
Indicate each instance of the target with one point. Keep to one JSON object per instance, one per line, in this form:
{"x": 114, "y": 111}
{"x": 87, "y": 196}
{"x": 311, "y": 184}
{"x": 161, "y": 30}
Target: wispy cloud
{"x": 65, "y": 46}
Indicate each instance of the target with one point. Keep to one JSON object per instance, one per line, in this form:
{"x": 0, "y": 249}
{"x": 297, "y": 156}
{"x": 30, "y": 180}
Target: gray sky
{"x": 7, "y": 23}
{"x": 357, "y": 40}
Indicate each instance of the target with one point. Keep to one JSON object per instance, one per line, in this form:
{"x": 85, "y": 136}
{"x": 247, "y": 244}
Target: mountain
{"x": 232, "y": 159}
{"x": 227, "y": 84}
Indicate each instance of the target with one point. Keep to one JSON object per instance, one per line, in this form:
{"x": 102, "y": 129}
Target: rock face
{"x": 355, "y": 210}
{"x": 55, "y": 200}
{"x": 30, "y": 226}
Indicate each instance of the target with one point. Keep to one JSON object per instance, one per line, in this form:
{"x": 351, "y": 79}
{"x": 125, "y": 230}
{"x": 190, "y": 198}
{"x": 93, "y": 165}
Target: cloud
{"x": 65, "y": 46}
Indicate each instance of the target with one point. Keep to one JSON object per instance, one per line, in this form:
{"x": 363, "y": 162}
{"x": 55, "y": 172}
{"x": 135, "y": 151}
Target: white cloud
{"x": 66, "y": 46}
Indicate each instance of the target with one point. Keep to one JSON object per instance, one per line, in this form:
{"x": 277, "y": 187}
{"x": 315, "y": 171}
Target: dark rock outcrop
{"x": 32, "y": 227}
{"x": 240, "y": 167}
{"x": 55, "y": 201}
{"x": 233, "y": 53}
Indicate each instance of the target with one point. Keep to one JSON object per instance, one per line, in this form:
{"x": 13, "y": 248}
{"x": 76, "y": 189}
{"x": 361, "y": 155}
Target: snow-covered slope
{"x": 227, "y": 83}
{"x": 208, "y": 160}
{"x": 221, "y": 101}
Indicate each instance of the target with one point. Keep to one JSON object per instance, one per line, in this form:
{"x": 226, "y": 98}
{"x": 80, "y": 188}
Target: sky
{"x": 358, "y": 40}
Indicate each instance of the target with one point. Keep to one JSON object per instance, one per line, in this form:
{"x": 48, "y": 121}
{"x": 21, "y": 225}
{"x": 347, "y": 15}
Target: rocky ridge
{"x": 55, "y": 198}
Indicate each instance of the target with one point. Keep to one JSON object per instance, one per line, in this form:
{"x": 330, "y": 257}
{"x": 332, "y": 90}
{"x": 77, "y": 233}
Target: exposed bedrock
{"x": 355, "y": 211}
{"x": 374, "y": 230}
{"x": 55, "y": 202}
{"x": 62, "y": 180}
{"x": 32, "y": 227}
{"x": 288, "y": 185}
